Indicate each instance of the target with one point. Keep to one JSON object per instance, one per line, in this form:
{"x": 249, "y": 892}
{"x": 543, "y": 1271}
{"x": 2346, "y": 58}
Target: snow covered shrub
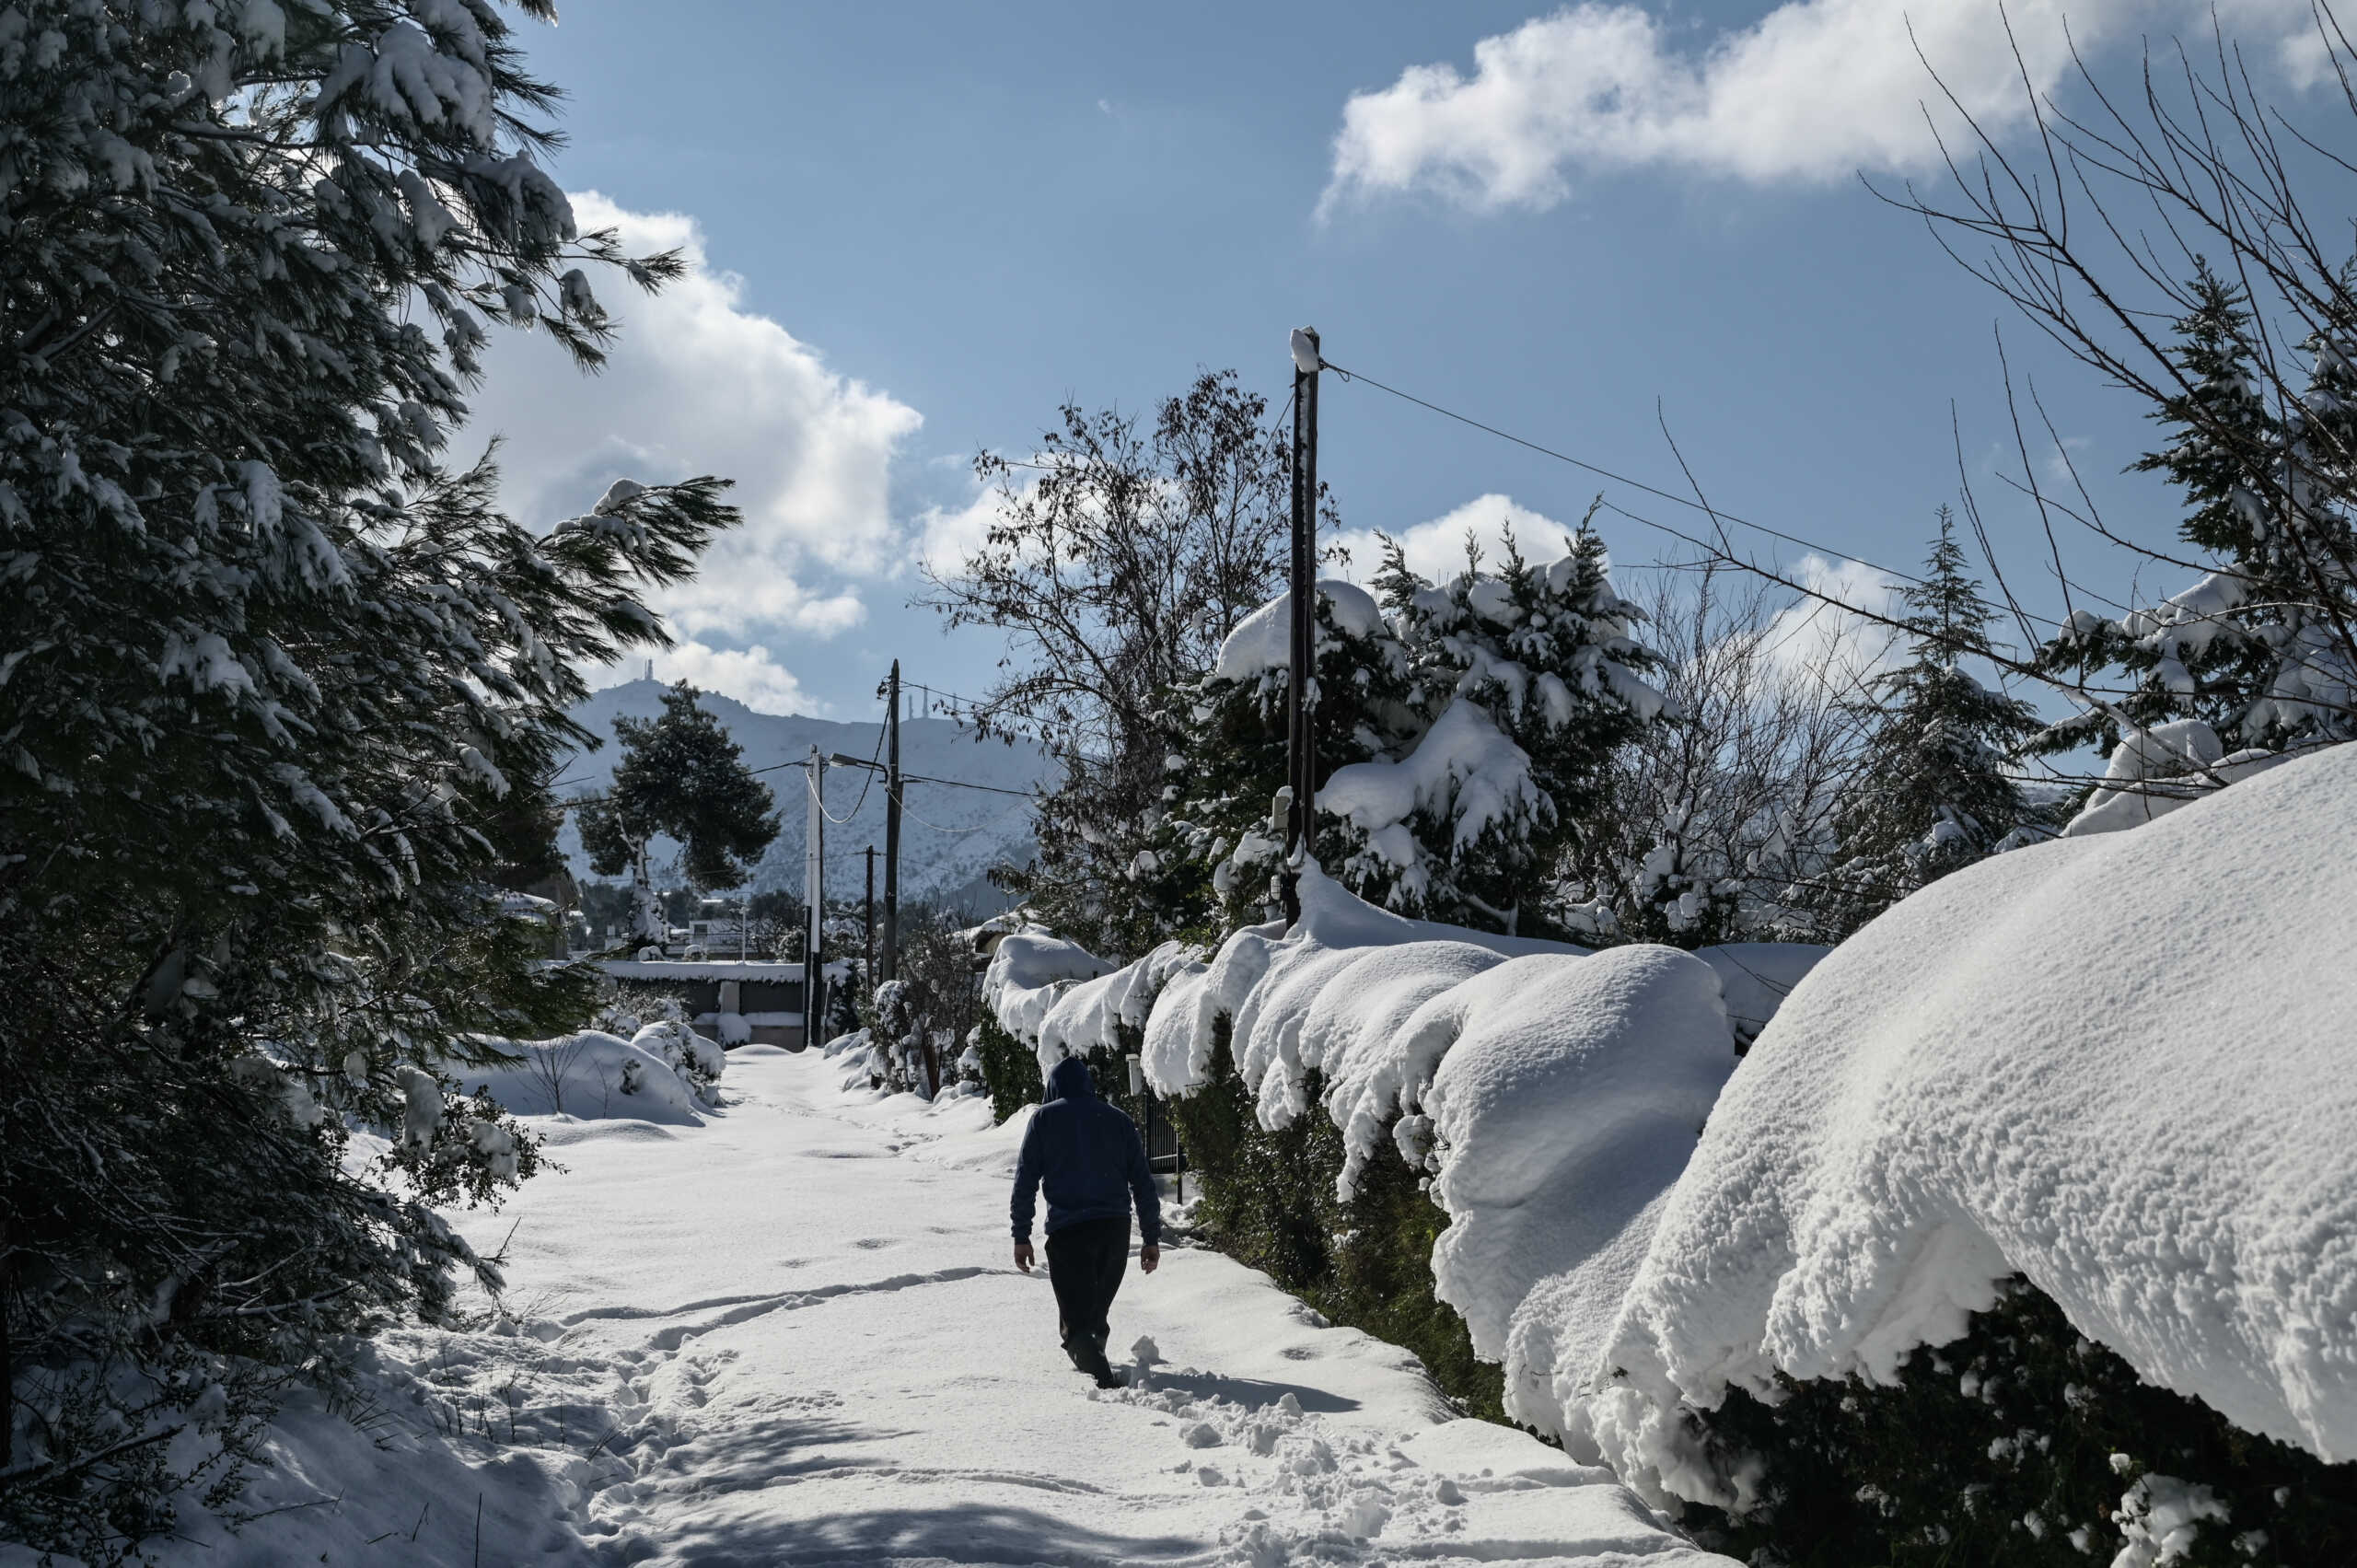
{"x": 2021, "y": 1443}
{"x": 2006, "y": 1075}
{"x": 271, "y": 668}
{"x": 1010, "y": 1070}
{"x": 698, "y": 1061}
{"x": 1268, "y": 1199}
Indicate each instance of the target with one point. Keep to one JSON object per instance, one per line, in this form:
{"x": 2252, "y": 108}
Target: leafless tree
{"x": 1730, "y": 800}
{"x": 1121, "y": 556}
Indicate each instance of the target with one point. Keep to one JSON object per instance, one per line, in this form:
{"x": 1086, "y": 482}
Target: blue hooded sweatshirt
{"x": 1089, "y": 1156}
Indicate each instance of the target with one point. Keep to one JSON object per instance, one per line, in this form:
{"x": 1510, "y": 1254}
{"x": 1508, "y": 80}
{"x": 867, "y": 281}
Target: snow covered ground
{"x": 792, "y": 1333}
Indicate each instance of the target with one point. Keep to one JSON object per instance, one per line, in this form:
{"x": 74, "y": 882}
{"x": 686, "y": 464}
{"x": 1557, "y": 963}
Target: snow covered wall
{"x": 2120, "y": 1065}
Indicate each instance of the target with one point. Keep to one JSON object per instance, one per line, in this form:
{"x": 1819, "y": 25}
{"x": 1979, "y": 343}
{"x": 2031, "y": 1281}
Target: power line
{"x": 1714, "y": 512}
{"x": 963, "y": 833}
{"x": 961, "y": 783}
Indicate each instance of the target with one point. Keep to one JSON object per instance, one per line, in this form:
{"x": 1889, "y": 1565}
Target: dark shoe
{"x": 1086, "y": 1357}
{"x": 1102, "y": 1370}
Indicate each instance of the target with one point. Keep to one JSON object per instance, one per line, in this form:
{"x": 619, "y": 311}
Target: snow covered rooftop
{"x": 701, "y": 969}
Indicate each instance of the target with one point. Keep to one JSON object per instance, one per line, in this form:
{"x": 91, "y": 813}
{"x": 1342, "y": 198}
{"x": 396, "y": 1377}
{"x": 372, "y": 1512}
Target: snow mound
{"x": 1569, "y": 1101}
{"x": 1028, "y": 972}
{"x": 2154, "y": 772}
{"x": 2118, "y": 1064}
{"x": 597, "y": 1076}
{"x": 1262, "y": 640}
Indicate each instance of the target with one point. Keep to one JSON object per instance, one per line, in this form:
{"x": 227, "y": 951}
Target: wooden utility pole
{"x": 814, "y": 893}
{"x": 868, "y": 912}
{"x": 892, "y": 824}
{"x": 1300, "y": 709}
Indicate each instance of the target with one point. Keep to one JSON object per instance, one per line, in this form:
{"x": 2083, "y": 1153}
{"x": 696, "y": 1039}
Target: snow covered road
{"x": 794, "y": 1335}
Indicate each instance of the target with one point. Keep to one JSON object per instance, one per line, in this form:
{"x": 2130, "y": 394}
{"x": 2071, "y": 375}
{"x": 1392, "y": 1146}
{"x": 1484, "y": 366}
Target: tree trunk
{"x": 7, "y": 1354}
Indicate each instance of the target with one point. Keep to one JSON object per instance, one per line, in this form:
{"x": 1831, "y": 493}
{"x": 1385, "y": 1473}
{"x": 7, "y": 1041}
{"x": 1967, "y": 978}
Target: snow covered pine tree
{"x": 1524, "y": 680}
{"x": 1213, "y": 850}
{"x": 2262, "y": 651}
{"x": 1931, "y": 792}
{"x": 679, "y": 775}
{"x": 267, "y": 661}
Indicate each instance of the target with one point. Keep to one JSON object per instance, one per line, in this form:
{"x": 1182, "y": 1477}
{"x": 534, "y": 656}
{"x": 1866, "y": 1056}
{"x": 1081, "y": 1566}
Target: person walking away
{"x": 1088, "y": 1158}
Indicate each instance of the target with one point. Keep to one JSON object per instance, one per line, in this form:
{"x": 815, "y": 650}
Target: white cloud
{"x": 698, "y": 384}
{"x": 1435, "y": 550}
{"x": 1814, "y": 90}
{"x": 1823, "y": 638}
{"x": 947, "y": 537}
{"x": 2062, "y": 463}
{"x": 750, "y": 675}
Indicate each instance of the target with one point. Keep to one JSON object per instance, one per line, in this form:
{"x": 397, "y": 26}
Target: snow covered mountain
{"x": 950, "y": 838}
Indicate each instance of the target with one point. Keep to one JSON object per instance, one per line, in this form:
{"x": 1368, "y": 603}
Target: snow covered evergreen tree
{"x": 681, "y": 776}
{"x": 2261, "y": 649}
{"x": 1214, "y": 854}
{"x": 1457, "y": 739}
{"x": 1524, "y": 681}
{"x": 269, "y": 662}
{"x": 1932, "y": 792}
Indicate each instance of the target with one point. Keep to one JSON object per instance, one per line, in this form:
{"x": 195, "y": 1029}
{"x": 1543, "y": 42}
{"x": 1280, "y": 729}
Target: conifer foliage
{"x": 1932, "y": 790}
{"x": 1461, "y": 729}
{"x": 681, "y": 776}
{"x": 271, "y": 665}
{"x": 2261, "y": 649}
{"x": 1527, "y": 679}
{"x": 1213, "y": 855}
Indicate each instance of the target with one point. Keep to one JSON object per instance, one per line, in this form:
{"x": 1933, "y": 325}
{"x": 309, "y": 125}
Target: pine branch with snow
{"x": 273, "y": 663}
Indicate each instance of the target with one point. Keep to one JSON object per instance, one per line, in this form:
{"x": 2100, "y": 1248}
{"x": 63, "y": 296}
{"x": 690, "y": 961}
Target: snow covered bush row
{"x": 2109, "y": 1071}
{"x": 1552, "y": 1094}
{"x": 2117, "y": 1066}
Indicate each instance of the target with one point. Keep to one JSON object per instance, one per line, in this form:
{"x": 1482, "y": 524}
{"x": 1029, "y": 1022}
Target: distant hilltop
{"x": 950, "y": 838}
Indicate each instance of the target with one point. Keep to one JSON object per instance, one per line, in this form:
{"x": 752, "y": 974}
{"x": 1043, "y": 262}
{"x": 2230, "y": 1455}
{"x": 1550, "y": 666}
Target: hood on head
{"x": 1069, "y": 1079}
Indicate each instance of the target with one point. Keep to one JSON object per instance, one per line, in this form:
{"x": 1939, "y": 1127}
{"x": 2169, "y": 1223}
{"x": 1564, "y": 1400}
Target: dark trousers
{"x": 1085, "y": 1261}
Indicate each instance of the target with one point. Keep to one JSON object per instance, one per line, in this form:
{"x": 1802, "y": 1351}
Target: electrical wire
{"x": 1714, "y": 512}
{"x": 960, "y": 832}
{"x": 961, "y": 783}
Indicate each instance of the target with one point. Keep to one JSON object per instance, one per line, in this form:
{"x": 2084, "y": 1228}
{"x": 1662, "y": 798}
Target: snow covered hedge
{"x": 1400, "y": 1033}
{"x": 2064, "y": 1139}
{"x": 2117, "y": 1066}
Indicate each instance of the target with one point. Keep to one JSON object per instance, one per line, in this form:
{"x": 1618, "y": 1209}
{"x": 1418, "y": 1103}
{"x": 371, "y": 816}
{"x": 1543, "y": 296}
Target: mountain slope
{"x": 949, "y": 837}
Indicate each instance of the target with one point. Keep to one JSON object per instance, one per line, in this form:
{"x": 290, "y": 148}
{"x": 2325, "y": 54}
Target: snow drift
{"x": 665, "y": 1073}
{"x": 2118, "y": 1064}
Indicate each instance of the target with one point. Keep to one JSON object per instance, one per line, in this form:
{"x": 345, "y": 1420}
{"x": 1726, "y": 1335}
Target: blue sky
{"x": 924, "y": 226}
